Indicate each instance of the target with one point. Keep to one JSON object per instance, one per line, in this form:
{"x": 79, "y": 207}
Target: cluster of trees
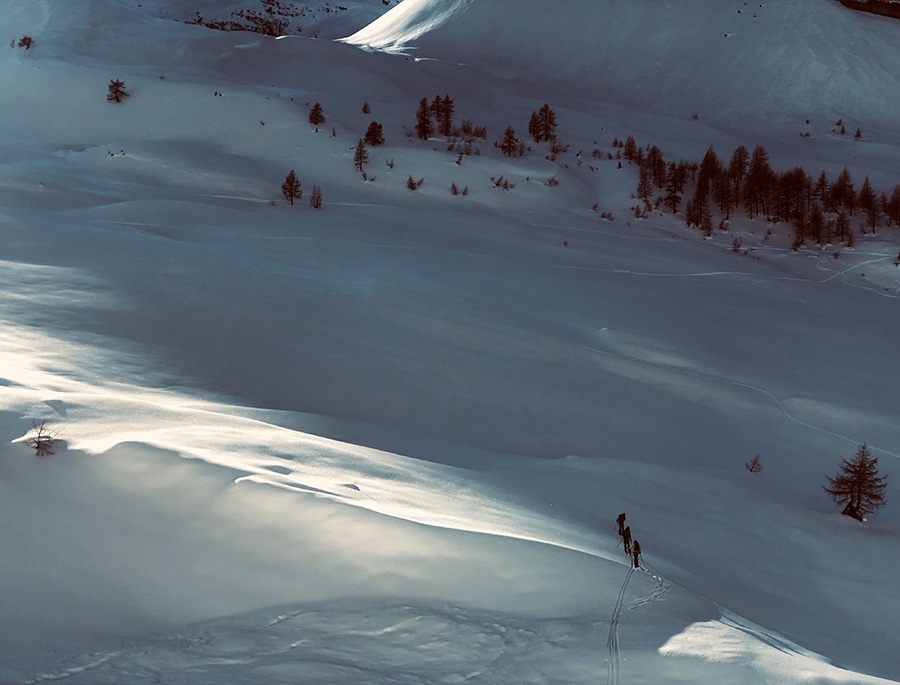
{"x": 292, "y": 190}
{"x": 542, "y": 124}
{"x": 819, "y": 209}
{"x": 272, "y": 19}
{"x": 441, "y": 109}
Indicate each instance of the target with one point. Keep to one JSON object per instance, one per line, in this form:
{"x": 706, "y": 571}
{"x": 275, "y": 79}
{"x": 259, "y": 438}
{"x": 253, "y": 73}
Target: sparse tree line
{"x": 819, "y": 209}
{"x": 272, "y": 19}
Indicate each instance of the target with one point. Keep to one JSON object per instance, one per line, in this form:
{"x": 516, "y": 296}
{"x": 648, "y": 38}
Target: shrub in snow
{"x": 754, "y": 465}
{"x": 26, "y": 42}
{"x": 42, "y": 439}
{"x": 116, "y": 91}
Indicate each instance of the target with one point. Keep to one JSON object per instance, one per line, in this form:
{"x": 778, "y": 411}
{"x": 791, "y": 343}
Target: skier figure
{"x": 621, "y": 521}
{"x": 626, "y": 538}
{"x": 636, "y": 552}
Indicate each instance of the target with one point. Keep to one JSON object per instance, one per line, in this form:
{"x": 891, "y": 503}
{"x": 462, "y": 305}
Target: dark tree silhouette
{"x": 315, "y": 197}
{"x": 316, "y": 116}
{"x": 858, "y": 486}
{"x": 442, "y": 108}
{"x": 374, "y": 134}
{"x": 509, "y": 146}
{"x": 424, "y": 125}
{"x": 360, "y": 155}
{"x": 629, "y": 148}
{"x": 365, "y": 108}
{"x": 542, "y": 124}
{"x": 42, "y": 439}
{"x": 26, "y": 42}
{"x": 754, "y": 465}
{"x": 117, "y": 91}
{"x": 291, "y": 188}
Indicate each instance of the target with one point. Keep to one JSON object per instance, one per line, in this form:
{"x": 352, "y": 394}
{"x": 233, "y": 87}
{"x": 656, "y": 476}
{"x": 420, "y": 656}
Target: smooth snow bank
{"x": 781, "y": 61}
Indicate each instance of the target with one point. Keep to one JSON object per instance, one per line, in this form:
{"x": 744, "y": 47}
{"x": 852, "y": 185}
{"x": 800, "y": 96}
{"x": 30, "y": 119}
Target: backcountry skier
{"x": 636, "y": 552}
{"x": 621, "y": 521}
{"x": 626, "y": 538}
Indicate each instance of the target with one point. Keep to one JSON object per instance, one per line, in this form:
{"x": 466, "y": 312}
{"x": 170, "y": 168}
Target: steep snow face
{"x": 722, "y": 60}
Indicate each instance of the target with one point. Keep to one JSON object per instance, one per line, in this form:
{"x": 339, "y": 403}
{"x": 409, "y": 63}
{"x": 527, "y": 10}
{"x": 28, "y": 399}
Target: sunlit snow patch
{"x": 735, "y": 640}
{"x": 395, "y": 30}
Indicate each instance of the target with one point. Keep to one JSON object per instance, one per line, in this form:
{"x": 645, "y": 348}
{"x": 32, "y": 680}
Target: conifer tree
{"x": 893, "y": 206}
{"x": 629, "y": 149}
{"x": 424, "y": 126}
{"x": 291, "y": 188}
{"x": 510, "y": 144}
{"x": 360, "y": 155}
{"x": 374, "y": 134}
{"x": 534, "y": 127}
{"x": 858, "y": 486}
{"x": 116, "y": 91}
{"x": 315, "y": 197}
{"x": 316, "y": 116}
{"x": 548, "y": 122}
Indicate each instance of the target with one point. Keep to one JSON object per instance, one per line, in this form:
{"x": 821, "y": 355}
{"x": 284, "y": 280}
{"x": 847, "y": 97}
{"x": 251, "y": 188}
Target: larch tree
{"x": 360, "y": 155}
{"x": 291, "y": 188}
{"x": 858, "y": 486}
{"x": 509, "y": 145}
{"x": 116, "y": 91}
{"x": 316, "y": 116}
{"x": 424, "y": 125}
{"x": 374, "y": 135}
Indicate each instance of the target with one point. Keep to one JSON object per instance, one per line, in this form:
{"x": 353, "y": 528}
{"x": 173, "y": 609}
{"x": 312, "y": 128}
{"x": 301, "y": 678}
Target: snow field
{"x": 483, "y": 396}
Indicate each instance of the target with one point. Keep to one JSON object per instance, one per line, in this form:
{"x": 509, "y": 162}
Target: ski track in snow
{"x": 612, "y": 642}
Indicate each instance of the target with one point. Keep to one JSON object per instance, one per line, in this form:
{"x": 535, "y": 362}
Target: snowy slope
{"x": 760, "y": 63}
{"x": 408, "y": 420}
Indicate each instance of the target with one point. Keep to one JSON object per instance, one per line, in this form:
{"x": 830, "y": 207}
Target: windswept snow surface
{"x": 386, "y": 441}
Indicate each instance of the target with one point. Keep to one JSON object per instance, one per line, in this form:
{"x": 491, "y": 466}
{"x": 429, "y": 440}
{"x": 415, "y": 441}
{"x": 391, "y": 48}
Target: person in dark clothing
{"x": 621, "y": 521}
{"x": 626, "y": 538}
{"x": 636, "y": 552}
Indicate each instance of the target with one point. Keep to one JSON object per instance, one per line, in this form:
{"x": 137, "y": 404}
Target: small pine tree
{"x": 360, "y": 155}
{"x": 754, "y": 465}
{"x": 858, "y": 486}
{"x": 316, "y": 116}
{"x": 315, "y": 197}
{"x": 365, "y": 108}
{"x": 291, "y": 188}
{"x": 411, "y": 183}
{"x": 116, "y": 91}
{"x": 509, "y": 146}
{"x": 374, "y": 134}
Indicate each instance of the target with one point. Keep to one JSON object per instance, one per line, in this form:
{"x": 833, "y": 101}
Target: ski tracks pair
{"x": 659, "y": 590}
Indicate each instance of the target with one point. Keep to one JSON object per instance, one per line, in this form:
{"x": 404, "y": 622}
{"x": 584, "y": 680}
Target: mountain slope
{"x": 771, "y": 61}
